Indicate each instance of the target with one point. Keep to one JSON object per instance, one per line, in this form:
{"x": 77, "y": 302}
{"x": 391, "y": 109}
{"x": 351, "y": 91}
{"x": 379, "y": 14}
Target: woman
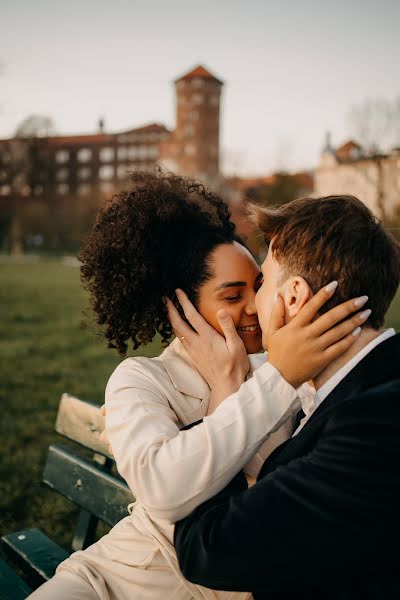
{"x": 166, "y": 232}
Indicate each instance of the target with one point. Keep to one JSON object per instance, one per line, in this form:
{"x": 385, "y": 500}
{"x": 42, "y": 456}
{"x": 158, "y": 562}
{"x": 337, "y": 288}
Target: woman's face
{"x": 233, "y": 286}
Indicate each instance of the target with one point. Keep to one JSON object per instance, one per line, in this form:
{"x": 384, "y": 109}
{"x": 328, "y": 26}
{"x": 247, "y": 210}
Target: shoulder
{"x": 139, "y": 372}
{"x": 371, "y": 417}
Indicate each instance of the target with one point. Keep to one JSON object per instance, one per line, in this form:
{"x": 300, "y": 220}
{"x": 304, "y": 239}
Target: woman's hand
{"x": 305, "y": 346}
{"x": 222, "y": 361}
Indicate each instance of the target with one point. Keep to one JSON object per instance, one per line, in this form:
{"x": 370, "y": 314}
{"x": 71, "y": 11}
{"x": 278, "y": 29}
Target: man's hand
{"x": 305, "y": 346}
{"x": 221, "y": 361}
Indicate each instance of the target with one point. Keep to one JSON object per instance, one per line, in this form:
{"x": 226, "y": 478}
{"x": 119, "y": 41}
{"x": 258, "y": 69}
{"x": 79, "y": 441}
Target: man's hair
{"x": 335, "y": 238}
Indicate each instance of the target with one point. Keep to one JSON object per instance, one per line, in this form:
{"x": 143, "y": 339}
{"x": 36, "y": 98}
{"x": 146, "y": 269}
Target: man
{"x": 323, "y": 519}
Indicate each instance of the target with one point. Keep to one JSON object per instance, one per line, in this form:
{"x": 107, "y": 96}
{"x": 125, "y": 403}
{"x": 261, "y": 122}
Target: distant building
{"x": 83, "y": 165}
{"x": 193, "y": 148}
{"x": 373, "y": 179}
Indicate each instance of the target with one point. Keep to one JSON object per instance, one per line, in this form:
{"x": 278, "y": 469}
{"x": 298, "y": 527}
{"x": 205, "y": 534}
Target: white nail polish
{"x": 275, "y": 297}
{"x": 331, "y": 287}
{"x": 364, "y": 315}
{"x": 356, "y": 331}
{"x": 360, "y": 301}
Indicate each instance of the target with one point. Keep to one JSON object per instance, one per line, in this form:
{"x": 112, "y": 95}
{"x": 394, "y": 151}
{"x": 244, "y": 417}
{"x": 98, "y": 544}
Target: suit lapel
{"x": 381, "y": 364}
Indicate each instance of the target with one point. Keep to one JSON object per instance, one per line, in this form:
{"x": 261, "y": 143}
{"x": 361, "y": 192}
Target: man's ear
{"x": 296, "y": 293}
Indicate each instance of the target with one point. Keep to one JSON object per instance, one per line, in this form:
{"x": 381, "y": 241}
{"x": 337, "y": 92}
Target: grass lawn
{"x": 45, "y": 352}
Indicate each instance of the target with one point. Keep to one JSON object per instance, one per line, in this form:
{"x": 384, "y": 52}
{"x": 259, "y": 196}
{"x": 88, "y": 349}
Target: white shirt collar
{"x": 329, "y": 385}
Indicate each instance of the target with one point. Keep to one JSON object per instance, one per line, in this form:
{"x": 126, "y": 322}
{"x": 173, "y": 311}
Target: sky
{"x": 291, "y": 69}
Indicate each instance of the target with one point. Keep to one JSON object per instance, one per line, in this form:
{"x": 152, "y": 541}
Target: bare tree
{"x": 376, "y": 124}
{"x": 35, "y": 126}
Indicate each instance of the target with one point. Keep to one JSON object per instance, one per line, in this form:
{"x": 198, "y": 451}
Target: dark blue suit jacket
{"x": 323, "y": 520}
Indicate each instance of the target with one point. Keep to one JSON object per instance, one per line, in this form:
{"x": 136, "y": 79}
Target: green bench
{"x": 88, "y": 482}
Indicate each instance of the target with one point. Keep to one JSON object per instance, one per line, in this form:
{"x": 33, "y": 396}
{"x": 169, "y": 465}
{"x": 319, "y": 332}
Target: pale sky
{"x": 292, "y": 69}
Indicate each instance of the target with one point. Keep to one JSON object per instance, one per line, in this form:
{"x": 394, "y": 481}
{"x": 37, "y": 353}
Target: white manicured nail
{"x": 356, "y": 331}
{"x": 331, "y": 287}
{"x": 360, "y": 301}
{"x": 275, "y": 297}
{"x": 364, "y": 315}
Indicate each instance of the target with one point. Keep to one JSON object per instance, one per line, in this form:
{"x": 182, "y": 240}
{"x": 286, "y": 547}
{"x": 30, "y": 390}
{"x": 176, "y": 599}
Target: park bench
{"x": 88, "y": 482}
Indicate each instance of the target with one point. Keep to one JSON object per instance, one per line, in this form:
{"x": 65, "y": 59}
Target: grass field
{"x": 45, "y": 352}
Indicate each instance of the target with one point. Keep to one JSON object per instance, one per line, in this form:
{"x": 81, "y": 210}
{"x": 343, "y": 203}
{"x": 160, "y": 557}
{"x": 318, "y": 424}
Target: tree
{"x": 35, "y": 126}
{"x": 283, "y": 188}
{"x": 376, "y": 125}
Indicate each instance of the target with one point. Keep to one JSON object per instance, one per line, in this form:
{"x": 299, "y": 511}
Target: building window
{"x": 143, "y": 152}
{"x": 84, "y": 189}
{"x": 106, "y": 172}
{"x": 189, "y": 130}
{"x": 84, "y": 173}
{"x": 62, "y": 174}
{"x": 133, "y": 152}
{"x": 84, "y": 155}
{"x": 62, "y": 188}
{"x": 193, "y": 115}
{"x": 106, "y": 154}
{"x": 190, "y": 150}
{"x": 152, "y": 152}
{"x": 198, "y": 98}
{"x": 122, "y": 171}
{"x": 122, "y": 153}
{"x": 62, "y": 156}
{"x": 197, "y": 82}
{"x": 214, "y": 100}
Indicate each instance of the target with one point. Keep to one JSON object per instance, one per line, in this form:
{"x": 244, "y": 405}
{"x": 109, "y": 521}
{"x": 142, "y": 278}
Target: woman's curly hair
{"x": 146, "y": 242}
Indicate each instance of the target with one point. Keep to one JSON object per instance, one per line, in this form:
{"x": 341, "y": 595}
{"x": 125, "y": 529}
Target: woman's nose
{"x": 250, "y": 308}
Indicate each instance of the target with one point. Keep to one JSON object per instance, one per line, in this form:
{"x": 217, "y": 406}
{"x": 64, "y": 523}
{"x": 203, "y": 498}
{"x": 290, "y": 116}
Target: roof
{"x": 104, "y": 138}
{"x": 200, "y": 72}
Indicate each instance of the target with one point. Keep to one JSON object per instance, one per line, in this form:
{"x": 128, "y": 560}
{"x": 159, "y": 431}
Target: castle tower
{"x": 193, "y": 149}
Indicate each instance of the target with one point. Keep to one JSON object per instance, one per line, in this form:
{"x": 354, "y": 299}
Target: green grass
{"x": 44, "y": 352}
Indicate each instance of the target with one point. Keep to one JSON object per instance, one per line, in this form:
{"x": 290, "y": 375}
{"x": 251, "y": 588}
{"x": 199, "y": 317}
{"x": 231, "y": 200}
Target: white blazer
{"x": 171, "y": 471}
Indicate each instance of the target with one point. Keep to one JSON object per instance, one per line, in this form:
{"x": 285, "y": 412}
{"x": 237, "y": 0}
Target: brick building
{"x": 83, "y": 165}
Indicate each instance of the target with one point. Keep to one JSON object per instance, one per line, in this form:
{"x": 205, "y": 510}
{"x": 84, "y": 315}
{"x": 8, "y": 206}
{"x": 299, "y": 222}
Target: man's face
{"x": 265, "y": 297}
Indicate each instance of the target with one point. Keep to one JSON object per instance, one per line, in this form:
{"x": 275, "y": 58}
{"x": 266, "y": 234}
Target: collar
{"x": 185, "y": 377}
{"x": 329, "y": 385}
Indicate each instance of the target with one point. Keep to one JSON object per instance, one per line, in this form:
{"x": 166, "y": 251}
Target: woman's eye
{"x": 232, "y": 298}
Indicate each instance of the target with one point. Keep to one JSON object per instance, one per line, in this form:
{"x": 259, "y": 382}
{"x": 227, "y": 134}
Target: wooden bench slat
{"x": 34, "y": 552}
{"x": 83, "y": 483}
{"x": 81, "y": 421}
{"x": 11, "y": 585}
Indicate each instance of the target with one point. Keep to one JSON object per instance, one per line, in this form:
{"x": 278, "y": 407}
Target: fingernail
{"x": 360, "y": 301}
{"x": 275, "y": 297}
{"x": 331, "y": 287}
{"x": 364, "y": 315}
{"x": 356, "y": 331}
